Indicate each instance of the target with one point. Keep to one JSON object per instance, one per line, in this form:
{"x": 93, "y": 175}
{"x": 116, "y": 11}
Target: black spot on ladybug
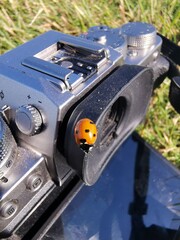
{"x": 91, "y": 123}
{"x": 83, "y": 141}
{"x": 87, "y": 130}
{"x": 77, "y": 131}
{"x": 94, "y": 135}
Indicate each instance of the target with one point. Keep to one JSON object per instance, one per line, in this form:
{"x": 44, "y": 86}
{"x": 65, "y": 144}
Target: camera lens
{"x": 112, "y": 121}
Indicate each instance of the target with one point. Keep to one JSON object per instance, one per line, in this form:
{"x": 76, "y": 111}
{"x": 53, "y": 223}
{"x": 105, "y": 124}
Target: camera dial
{"x": 139, "y": 35}
{"x": 28, "y": 120}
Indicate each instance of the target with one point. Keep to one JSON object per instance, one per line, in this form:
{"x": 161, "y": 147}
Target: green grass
{"x": 161, "y": 127}
{"x": 20, "y": 21}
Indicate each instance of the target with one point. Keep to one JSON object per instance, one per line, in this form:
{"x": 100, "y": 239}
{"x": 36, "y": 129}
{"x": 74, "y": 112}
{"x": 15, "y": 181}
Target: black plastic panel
{"x": 126, "y": 92}
{"x": 136, "y": 198}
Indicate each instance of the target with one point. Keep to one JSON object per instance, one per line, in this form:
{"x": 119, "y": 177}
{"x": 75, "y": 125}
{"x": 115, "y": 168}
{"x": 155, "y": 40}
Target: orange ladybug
{"x": 85, "y": 133}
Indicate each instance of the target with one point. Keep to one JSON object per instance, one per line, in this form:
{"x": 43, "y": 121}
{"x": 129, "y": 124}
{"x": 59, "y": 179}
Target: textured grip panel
{"x": 7, "y": 148}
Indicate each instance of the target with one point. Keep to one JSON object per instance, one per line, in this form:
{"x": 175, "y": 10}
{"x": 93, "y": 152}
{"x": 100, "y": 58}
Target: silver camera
{"x": 47, "y": 85}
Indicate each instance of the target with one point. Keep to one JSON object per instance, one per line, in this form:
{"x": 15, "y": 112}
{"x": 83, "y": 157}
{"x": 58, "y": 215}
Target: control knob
{"x": 28, "y": 120}
{"x": 139, "y": 35}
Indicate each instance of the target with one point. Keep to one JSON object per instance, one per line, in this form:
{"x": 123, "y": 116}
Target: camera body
{"x": 47, "y": 85}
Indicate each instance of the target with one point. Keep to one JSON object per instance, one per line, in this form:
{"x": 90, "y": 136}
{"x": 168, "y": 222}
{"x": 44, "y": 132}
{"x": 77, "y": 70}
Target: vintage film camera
{"x": 47, "y": 85}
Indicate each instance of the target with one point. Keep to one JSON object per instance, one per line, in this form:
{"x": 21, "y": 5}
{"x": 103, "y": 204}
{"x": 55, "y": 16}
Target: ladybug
{"x": 85, "y": 134}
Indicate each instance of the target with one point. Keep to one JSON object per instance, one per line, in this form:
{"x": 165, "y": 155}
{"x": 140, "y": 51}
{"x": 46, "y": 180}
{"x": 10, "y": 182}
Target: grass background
{"x": 20, "y": 21}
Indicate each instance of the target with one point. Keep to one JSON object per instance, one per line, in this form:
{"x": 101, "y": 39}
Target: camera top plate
{"x": 65, "y": 60}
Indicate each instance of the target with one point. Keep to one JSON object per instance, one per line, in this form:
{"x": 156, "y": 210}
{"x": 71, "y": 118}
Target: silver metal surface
{"x": 8, "y": 149}
{"x": 108, "y": 37}
{"x": 66, "y": 64}
{"x": 17, "y": 198}
{"x": 136, "y": 41}
{"x": 63, "y": 59}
